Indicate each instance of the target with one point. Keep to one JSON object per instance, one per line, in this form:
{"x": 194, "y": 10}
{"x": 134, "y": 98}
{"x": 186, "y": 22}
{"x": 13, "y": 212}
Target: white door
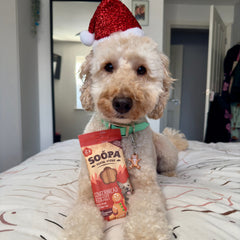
{"x": 174, "y": 103}
{"x": 216, "y": 53}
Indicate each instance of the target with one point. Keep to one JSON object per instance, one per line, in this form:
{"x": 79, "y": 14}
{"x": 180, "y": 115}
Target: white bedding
{"x": 203, "y": 202}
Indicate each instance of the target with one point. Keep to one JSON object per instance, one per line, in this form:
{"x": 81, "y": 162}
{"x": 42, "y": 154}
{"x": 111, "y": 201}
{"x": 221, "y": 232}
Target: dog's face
{"x": 126, "y": 79}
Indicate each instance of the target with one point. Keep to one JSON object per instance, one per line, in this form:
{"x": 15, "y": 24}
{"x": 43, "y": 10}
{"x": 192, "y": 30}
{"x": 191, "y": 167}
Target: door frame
{"x": 167, "y": 49}
{"x": 51, "y": 61}
{"x": 181, "y": 25}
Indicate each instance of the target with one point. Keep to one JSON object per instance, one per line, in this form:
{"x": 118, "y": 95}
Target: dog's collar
{"x": 127, "y": 129}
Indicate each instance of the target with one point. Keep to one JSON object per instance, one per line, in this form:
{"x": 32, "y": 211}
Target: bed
{"x": 203, "y": 201}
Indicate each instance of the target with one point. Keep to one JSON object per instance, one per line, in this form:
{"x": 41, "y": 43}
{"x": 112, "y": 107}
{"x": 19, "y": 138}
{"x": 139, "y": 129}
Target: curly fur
{"x": 124, "y": 80}
{"x": 149, "y": 93}
{"x": 178, "y": 139}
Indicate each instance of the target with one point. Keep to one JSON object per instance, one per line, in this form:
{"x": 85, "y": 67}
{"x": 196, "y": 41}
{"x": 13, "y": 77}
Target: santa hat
{"x": 111, "y": 16}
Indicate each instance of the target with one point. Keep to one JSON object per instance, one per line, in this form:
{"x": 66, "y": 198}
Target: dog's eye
{"x": 141, "y": 70}
{"x": 109, "y": 67}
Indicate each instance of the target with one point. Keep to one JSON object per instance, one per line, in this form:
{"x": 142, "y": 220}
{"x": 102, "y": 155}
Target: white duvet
{"x": 203, "y": 201}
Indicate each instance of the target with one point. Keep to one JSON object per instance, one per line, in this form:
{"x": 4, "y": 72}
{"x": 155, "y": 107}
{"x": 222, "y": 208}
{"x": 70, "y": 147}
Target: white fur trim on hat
{"x": 131, "y": 31}
{"x": 87, "y": 38}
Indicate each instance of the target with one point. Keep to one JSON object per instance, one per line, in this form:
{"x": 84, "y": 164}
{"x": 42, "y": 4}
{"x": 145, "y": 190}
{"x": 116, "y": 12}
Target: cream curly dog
{"x": 127, "y": 79}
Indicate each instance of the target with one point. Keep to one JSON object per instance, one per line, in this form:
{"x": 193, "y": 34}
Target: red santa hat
{"x": 111, "y": 16}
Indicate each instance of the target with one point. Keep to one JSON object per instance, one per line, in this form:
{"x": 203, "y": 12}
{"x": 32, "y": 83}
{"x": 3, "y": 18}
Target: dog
{"x": 126, "y": 188}
{"x": 127, "y": 79}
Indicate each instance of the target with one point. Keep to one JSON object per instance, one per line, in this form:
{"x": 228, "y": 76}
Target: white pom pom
{"x": 87, "y": 38}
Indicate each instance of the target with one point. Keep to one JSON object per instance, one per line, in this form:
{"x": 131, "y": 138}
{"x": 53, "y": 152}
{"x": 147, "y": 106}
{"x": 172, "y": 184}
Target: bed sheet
{"x": 203, "y": 201}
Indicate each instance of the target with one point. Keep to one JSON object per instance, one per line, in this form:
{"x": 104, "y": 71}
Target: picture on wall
{"x": 140, "y": 10}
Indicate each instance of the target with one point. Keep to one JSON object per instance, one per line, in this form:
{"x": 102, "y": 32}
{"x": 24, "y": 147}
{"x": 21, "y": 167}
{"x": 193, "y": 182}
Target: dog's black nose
{"x": 122, "y": 104}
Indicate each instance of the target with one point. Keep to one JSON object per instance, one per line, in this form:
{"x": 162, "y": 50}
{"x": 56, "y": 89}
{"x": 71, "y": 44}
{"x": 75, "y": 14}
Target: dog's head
{"x": 126, "y": 78}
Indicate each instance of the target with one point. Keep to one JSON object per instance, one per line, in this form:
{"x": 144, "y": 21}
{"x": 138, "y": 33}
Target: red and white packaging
{"x": 107, "y": 170}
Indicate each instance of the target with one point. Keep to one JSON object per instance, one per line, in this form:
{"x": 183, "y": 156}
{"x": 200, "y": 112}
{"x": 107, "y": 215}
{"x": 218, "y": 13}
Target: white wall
{"x": 28, "y": 79}
{"x": 195, "y": 15}
{"x": 10, "y": 99}
{"x": 19, "y": 95}
{"x": 156, "y": 22}
{"x": 44, "y": 78}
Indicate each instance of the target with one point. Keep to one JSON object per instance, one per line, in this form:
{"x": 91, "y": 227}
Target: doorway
{"x": 193, "y": 43}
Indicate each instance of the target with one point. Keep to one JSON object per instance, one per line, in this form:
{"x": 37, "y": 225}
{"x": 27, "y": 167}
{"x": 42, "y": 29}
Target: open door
{"x": 214, "y": 76}
{"x": 216, "y": 53}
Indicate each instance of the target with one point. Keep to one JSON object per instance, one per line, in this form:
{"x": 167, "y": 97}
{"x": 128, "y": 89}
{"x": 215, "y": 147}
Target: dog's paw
{"x": 146, "y": 219}
{"x": 84, "y": 222}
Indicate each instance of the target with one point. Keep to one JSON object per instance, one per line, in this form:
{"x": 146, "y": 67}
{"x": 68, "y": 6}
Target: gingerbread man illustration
{"x": 134, "y": 161}
{"x": 119, "y": 208}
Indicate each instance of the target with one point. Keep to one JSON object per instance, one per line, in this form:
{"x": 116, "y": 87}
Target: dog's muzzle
{"x": 122, "y": 104}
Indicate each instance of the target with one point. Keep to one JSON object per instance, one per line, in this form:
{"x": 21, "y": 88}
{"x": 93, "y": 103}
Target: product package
{"x": 107, "y": 170}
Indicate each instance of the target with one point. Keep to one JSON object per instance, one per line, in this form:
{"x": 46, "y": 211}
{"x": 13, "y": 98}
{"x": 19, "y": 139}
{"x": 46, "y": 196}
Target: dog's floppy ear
{"x": 86, "y": 97}
{"x": 163, "y": 97}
